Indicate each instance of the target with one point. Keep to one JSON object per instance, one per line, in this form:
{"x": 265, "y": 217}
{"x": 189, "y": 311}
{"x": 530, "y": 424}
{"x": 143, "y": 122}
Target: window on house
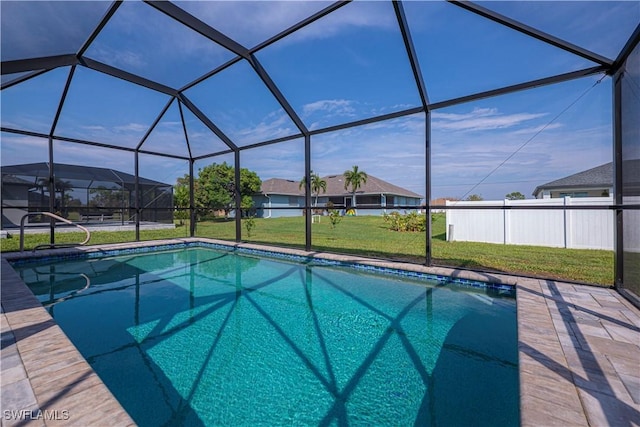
{"x": 575, "y": 194}
{"x": 294, "y": 201}
{"x": 368, "y": 200}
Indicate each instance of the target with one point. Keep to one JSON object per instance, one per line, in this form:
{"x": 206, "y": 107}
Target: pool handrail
{"x": 58, "y": 218}
{"x": 71, "y": 295}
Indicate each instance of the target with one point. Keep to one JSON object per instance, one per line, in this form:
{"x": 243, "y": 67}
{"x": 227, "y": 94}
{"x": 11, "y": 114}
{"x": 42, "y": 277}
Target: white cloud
{"x": 275, "y": 125}
{"x": 92, "y": 127}
{"x": 170, "y": 123}
{"x": 462, "y": 159}
{"x": 333, "y": 107}
{"x": 132, "y": 127}
{"x": 536, "y": 129}
{"x": 118, "y": 56}
{"x": 251, "y": 22}
{"x": 477, "y": 112}
{"x": 480, "y": 119}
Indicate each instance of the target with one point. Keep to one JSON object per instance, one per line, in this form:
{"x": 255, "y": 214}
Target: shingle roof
{"x": 64, "y": 171}
{"x": 598, "y": 177}
{"x": 281, "y": 186}
{"x": 10, "y": 179}
{"x": 335, "y": 187}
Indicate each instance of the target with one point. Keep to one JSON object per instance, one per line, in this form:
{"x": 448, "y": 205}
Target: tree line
{"x": 214, "y": 188}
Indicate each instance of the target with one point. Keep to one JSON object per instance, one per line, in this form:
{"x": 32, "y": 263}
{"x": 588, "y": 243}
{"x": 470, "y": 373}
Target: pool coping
{"x": 579, "y": 346}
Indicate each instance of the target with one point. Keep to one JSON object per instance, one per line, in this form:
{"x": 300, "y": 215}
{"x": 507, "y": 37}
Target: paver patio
{"x": 579, "y": 354}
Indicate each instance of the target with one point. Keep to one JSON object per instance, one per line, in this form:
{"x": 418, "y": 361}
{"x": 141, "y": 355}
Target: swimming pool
{"x": 200, "y": 336}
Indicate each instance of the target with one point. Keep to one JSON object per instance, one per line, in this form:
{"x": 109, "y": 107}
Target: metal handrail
{"x": 72, "y": 294}
{"x": 58, "y": 218}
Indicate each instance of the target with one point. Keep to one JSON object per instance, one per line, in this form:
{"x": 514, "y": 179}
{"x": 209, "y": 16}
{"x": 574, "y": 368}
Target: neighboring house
{"x": 594, "y": 182}
{"x": 82, "y": 193}
{"x": 289, "y": 198}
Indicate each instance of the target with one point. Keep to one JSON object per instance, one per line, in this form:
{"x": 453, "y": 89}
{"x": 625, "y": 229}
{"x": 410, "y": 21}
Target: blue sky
{"x": 349, "y": 65}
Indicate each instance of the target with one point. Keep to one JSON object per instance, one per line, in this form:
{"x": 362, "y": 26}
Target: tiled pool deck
{"x": 579, "y": 350}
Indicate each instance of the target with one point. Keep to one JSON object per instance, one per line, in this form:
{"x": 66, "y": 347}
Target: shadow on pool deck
{"x": 602, "y": 348}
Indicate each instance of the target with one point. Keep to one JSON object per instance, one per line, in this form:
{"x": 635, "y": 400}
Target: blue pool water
{"x": 208, "y": 337}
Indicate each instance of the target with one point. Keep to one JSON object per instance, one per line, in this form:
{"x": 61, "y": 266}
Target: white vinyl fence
{"x": 565, "y": 228}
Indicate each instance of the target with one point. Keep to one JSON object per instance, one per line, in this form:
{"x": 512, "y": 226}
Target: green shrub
{"x": 249, "y": 224}
{"x": 334, "y": 217}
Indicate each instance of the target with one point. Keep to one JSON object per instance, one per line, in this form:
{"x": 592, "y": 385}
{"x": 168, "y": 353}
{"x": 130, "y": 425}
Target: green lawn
{"x": 370, "y": 236}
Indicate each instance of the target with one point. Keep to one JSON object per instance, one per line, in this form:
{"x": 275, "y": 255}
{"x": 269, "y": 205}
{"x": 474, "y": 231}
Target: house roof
{"x": 75, "y": 172}
{"x": 335, "y": 187}
{"x": 10, "y": 179}
{"x": 598, "y": 177}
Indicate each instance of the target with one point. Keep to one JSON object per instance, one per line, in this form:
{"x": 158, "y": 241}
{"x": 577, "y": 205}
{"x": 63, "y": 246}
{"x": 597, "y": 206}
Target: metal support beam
{"x": 530, "y": 31}
{"x": 272, "y": 141}
{"x": 207, "y": 156}
{"x": 95, "y": 144}
{"x": 24, "y": 132}
{"x": 192, "y": 204}
{"x": 37, "y": 64}
{"x": 184, "y": 129}
{"x": 155, "y": 123}
{"x": 169, "y": 156}
{"x": 268, "y": 42}
{"x": 278, "y": 95}
{"x": 125, "y": 75}
{"x": 208, "y": 123}
{"x": 629, "y": 46}
{"x": 105, "y": 19}
{"x": 617, "y": 179}
{"x": 198, "y": 26}
{"x": 52, "y": 194}
{"x": 327, "y": 10}
{"x": 411, "y": 52}
{"x": 210, "y": 73}
{"x": 136, "y": 187}
{"x": 424, "y": 98}
{"x": 238, "y": 196}
{"x": 427, "y": 195}
{"x": 520, "y": 87}
{"x": 22, "y": 78}
{"x": 363, "y": 122}
{"x": 63, "y": 97}
{"x": 307, "y": 193}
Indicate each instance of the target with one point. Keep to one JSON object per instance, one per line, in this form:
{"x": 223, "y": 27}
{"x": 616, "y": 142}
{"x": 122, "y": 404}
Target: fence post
{"x": 504, "y": 222}
{"x": 566, "y": 201}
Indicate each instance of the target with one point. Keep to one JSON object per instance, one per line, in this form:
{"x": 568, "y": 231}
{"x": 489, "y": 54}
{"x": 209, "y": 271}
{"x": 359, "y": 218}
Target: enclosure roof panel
{"x": 101, "y": 108}
{"x": 254, "y": 73}
{"x": 146, "y": 42}
{"x": 349, "y": 65}
{"x": 252, "y": 22}
{"x": 33, "y": 29}
{"x": 239, "y": 103}
{"x": 602, "y": 27}
{"x": 32, "y": 104}
{"x": 462, "y": 53}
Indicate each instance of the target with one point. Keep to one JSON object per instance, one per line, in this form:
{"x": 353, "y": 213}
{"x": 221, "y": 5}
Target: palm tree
{"x": 317, "y": 184}
{"x": 354, "y": 178}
